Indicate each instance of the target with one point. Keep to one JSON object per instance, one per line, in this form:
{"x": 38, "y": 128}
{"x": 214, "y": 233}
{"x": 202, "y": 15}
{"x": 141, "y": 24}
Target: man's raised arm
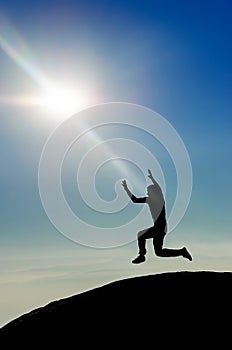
{"x": 124, "y": 185}
{"x": 152, "y": 178}
{"x": 132, "y": 197}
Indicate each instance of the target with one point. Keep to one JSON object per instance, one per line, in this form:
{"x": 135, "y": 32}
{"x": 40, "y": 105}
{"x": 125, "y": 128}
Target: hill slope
{"x": 162, "y": 307}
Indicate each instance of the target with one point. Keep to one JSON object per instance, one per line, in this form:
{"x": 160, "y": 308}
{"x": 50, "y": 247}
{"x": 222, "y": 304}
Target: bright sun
{"x": 65, "y": 101}
{"x": 57, "y": 103}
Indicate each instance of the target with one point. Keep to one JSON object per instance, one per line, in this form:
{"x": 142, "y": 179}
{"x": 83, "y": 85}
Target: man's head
{"x": 153, "y": 191}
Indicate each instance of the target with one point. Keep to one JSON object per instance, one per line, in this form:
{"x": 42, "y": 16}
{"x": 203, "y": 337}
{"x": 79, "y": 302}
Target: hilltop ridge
{"x": 164, "y": 306}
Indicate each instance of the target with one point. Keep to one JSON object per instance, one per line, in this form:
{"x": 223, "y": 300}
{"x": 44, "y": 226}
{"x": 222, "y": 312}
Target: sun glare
{"x": 58, "y": 103}
{"x": 65, "y": 101}
{"x": 58, "y": 99}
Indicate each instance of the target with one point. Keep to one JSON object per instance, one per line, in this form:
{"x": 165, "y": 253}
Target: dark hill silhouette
{"x": 167, "y": 309}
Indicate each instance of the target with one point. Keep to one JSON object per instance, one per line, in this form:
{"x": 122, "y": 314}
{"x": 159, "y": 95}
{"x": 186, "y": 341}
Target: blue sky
{"x": 171, "y": 57}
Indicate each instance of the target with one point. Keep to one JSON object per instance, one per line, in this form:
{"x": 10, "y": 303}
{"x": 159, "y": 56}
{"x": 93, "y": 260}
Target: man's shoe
{"x": 139, "y": 259}
{"x": 186, "y": 254}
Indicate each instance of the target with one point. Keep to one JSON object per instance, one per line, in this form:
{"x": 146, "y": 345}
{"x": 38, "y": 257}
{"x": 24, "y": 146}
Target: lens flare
{"x": 65, "y": 101}
{"x": 56, "y": 97}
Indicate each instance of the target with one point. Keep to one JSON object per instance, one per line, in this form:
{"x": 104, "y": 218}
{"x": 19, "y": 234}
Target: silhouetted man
{"x": 157, "y": 232}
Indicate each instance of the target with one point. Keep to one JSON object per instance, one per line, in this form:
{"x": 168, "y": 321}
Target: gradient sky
{"x": 173, "y": 57}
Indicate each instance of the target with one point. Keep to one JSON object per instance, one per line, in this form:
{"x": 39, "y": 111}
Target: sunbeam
{"x": 56, "y": 97}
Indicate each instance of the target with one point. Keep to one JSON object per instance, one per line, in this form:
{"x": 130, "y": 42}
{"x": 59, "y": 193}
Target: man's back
{"x": 156, "y": 203}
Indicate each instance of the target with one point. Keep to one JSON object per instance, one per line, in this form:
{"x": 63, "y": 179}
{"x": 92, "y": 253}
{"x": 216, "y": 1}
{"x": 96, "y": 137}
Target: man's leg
{"x": 142, "y": 236}
{"x": 168, "y": 252}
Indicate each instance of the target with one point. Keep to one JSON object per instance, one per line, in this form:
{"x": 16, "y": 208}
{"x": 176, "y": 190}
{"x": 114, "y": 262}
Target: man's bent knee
{"x": 159, "y": 251}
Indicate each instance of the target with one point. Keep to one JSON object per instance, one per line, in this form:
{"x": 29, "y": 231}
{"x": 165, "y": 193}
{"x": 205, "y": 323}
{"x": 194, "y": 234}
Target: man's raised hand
{"x": 124, "y": 184}
{"x": 150, "y": 174}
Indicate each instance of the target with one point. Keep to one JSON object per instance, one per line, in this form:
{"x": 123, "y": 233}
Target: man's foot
{"x": 139, "y": 259}
{"x": 186, "y": 254}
